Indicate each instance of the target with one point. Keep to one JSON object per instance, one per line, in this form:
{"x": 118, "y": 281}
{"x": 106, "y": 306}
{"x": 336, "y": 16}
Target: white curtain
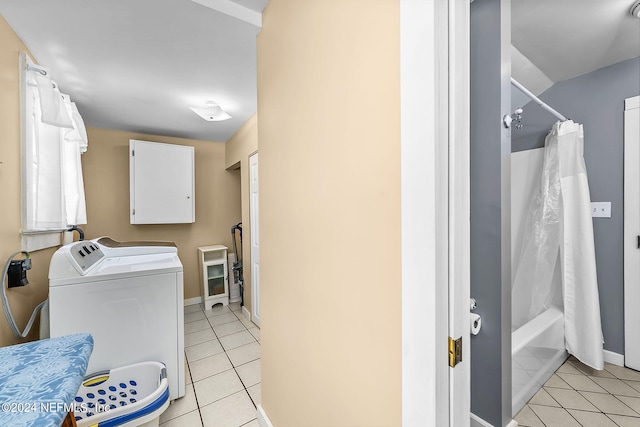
{"x": 560, "y": 226}
{"x": 533, "y": 288}
{"x": 582, "y": 323}
{"x": 55, "y": 139}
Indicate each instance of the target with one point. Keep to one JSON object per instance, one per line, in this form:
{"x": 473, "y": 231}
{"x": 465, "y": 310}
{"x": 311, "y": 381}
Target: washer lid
{"x": 110, "y": 243}
{"x": 105, "y": 256}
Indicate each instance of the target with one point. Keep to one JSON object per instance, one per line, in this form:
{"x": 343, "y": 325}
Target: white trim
{"x": 234, "y": 10}
{"x": 631, "y": 103}
{"x": 631, "y": 231}
{"x": 263, "y": 419}
{"x": 245, "y": 312}
{"x": 476, "y": 421}
{"x": 34, "y": 242}
{"x": 613, "y": 358}
{"x": 459, "y": 209}
{"x": 192, "y": 301}
{"x": 424, "y": 183}
{"x": 254, "y": 242}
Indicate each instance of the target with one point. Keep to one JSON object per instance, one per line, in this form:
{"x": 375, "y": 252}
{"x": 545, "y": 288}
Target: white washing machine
{"x": 129, "y": 296}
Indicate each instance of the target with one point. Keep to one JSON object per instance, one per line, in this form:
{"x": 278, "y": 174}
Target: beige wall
{"x": 21, "y": 300}
{"x": 237, "y": 151}
{"x": 329, "y": 133}
{"x": 106, "y": 178}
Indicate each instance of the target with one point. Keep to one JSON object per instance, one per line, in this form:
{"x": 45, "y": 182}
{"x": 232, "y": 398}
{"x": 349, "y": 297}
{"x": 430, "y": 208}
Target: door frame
{"x": 435, "y": 209}
{"x": 631, "y": 233}
{"x": 254, "y": 224}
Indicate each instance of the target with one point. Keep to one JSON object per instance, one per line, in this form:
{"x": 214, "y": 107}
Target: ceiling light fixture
{"x": 635, "y": 9}
{"x": 211, "y": 112}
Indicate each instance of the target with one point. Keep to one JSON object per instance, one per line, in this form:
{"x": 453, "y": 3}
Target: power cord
{"x": 5, "y": 302}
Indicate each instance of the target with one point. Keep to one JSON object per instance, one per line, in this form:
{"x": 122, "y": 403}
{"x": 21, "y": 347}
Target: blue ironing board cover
{"x": 39, "y": 379}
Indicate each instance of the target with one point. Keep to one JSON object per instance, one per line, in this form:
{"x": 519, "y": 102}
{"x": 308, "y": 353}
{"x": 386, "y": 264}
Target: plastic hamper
{"x": 133, "y": 395}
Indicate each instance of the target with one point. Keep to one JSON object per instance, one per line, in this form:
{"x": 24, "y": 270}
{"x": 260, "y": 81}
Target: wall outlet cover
{"x": 601, "y": 209}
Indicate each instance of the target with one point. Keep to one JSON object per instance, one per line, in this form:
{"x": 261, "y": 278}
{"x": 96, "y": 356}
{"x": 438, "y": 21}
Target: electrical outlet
{"x": 601, "y": 209}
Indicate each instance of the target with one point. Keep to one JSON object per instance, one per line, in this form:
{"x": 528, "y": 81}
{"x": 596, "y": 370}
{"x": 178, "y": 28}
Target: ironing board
{"x": 39, "y": 380}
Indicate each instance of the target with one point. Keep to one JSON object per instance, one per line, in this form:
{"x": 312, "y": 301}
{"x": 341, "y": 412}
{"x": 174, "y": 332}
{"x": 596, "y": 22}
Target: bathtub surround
{"x": 596, "y": 100}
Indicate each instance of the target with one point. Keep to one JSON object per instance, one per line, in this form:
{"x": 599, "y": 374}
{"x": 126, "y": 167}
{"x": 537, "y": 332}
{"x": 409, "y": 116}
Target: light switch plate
{"x": 601, "y": 209}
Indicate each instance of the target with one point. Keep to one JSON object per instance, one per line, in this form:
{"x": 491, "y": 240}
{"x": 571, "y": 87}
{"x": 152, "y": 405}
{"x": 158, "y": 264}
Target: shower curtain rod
{"x": 536, "y": 99}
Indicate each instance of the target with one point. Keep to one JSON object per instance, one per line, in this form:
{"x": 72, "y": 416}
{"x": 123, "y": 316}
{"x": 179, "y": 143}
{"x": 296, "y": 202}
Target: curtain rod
{"x": 536, "y": 99}
{"x": 36, "y": 69}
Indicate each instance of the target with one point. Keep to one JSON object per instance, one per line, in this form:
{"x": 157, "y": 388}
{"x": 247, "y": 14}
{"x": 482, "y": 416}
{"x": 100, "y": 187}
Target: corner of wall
{"x": 22, "y": 300}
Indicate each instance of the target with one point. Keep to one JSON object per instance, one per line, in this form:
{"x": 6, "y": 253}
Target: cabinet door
{"x": 161, "y": 183}
{"x": 216, "y": 276}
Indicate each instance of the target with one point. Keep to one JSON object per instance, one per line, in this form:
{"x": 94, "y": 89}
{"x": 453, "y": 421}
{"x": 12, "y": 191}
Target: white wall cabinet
{"x": 214, "y": 273}
{"x": 162, "y": 183}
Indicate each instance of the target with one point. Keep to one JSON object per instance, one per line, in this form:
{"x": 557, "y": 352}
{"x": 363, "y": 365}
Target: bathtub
{"x": 537, "y": 350}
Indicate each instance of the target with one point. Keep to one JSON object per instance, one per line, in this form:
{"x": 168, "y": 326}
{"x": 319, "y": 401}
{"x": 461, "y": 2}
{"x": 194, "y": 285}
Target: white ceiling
{"x": 138, "y": 65}
{"x": 567, "y": 38}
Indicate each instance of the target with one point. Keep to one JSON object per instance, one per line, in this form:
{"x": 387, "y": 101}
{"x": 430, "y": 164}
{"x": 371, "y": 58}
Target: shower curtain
{"x": 560, "y": 224}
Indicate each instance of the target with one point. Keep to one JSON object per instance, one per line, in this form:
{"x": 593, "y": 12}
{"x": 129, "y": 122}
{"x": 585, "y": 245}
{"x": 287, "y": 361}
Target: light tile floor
{"x": 577, "y": 395}
{"x": 222, "y": 350}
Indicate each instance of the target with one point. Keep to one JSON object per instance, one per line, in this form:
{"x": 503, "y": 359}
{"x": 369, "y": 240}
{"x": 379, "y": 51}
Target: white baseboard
{"x": 263, "y": 419}
{"x": 192, "y": 301}
{"x": 476, "y": 421}
{"x": 245, "y": 312}
{"x": 613, "y": 358}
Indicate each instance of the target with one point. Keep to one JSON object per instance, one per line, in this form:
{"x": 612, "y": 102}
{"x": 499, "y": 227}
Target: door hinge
{"x": 455, "y": 351}
{"x": 133, "y": 212}
{"x": 133, "y": 153}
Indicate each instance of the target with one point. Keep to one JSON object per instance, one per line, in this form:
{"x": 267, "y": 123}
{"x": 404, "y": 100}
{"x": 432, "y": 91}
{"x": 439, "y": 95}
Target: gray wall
{"x": 490, "y": 210}
{"x": 597, "y": 101}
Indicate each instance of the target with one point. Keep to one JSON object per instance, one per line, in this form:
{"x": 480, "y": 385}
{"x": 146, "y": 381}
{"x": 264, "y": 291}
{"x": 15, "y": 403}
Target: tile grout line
{"x": 202, "y": 310}
{"x": 535, "y": 415}
{"x": 235, "y": 367}
{"x": 606, "y": 392}
{"x": 230, "y": 361}
{"x": 615, "y": 397}
{"x": 193, "y": 385}
{"x": 581, "y": 393}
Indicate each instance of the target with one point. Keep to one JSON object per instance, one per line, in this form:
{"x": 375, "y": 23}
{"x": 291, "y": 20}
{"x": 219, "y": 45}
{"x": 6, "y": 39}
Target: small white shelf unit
{"x": 214, "y": 271}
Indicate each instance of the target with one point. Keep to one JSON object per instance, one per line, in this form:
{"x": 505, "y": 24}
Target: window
{"x": 53, "y": 139}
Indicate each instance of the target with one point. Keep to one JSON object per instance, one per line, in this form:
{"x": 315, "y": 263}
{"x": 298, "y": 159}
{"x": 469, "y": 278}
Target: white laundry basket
{"x": 134, "y": 395}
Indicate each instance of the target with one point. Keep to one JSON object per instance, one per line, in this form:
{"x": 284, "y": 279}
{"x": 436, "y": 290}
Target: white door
{"x": 632, "y": 232}
{"x": 255, "y": 238}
